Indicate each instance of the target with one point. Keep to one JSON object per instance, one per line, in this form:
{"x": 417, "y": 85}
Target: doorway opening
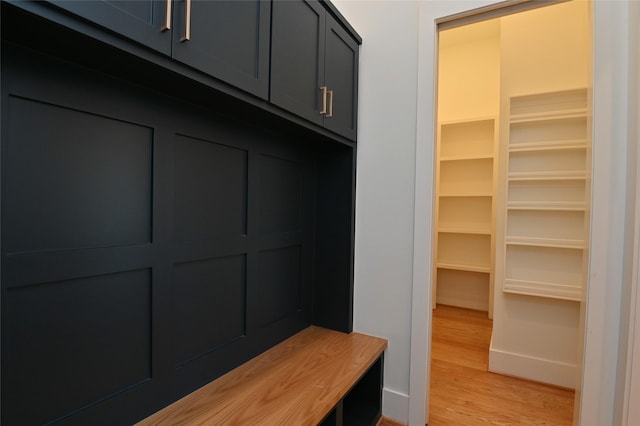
{"x": 511, "y": 199}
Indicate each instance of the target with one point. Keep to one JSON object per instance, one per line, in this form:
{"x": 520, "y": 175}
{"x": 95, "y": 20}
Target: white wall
{"x": 391, "y": 292}
{"x": 385, "y": 183}
{"x": 469, "y": 72}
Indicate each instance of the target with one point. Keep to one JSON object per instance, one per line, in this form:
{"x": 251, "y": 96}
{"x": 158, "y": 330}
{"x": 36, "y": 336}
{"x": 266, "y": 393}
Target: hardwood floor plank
{"x": 464, "y": 393}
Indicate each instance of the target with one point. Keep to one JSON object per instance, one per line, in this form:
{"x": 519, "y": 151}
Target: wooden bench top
{"x": 297, "y": 382}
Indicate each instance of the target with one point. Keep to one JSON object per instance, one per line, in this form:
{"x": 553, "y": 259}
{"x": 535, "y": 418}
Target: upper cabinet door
{"x": 139, "y": 20}
{"x": 226, "y": 39}
{"x": 297, "y": 57}
{"x": 341, "y": 79}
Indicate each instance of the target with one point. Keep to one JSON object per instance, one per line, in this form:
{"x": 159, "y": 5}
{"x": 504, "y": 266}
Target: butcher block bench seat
{"x": 317, "y": 376}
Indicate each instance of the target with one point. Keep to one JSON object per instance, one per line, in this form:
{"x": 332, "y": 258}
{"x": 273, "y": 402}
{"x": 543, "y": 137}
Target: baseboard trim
{"x": 395, "y": 406}
{"x": 476, "y": 305}
{"x": 531, "y": 368}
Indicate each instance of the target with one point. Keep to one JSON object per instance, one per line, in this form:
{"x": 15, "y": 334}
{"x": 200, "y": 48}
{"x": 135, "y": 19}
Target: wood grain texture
{"x": 386, "y": 421}
{"x": 464, "y": 393}
{"x": 297, "y": 382}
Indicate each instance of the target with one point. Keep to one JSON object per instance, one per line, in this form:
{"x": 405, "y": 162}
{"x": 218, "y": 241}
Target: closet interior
{"x": 512, "y": 183}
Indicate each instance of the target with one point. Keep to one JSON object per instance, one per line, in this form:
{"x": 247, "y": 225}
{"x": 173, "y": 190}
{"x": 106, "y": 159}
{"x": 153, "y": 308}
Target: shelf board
{"x": 464, "y": 267}
{"x": 548, "y": 115}
{"x": 466, "y": 194}
{"x": 549, "y": 146}
{"x": 550, "y": 290}
{"x": 463, "y": 230}
{"x": 545, "y": 242}
{"x": 467, "y": 157}
{"x": 546, "y": 205}
{"x": 553, "y": 175}
{"x": 463, "y": 121}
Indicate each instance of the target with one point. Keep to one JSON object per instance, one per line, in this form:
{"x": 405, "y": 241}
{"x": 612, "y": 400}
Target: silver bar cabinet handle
{"x": 330, "y": 113}
{"x": 187, "y": 23}
{"x": 167, "y": 18}
{"x": 324, "y": 100}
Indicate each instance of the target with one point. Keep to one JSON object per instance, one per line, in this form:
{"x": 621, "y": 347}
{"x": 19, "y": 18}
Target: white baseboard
{"x": 532, "y": 368}
{"x": 395, "y": 405}
{"x": 477, "y": 305}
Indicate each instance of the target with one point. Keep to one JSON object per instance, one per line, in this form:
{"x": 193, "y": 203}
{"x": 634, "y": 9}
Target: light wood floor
{"x": 464, "y": 393}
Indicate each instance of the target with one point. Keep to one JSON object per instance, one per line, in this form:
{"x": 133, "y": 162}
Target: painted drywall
{"x": 385, "y": 179}
{"x": 469, "y": 71}
{"x": 542, "y": 50}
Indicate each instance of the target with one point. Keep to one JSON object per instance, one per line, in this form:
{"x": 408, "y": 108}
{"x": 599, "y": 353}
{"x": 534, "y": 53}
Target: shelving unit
{"x": 545, "y": 233}
{"x": 465, "y": 205}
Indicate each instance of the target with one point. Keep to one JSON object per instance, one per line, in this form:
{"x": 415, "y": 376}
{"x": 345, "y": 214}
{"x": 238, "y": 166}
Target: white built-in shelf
{"x": 546, "y": 205}
{"x": 545, "y": 230}
{"x": 465, "y": 206}
{"x": 549, "y": 145}
{"x": 542, "y": 289}
{"x": 467, "y": 157}
{"x": 464, "y": 230}
{"x": 549, "y": 115}
{"x": 466, "y": 194}
{"x": 464, "y": 267}
{"x": 545, "y": 242}
{"x": 548, "y": 175}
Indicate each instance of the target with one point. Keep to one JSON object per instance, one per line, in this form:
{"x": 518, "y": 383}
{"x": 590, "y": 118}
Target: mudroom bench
{"x": 317, "y": 376}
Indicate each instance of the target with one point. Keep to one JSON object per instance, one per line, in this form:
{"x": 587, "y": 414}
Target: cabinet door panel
{"x": 139, "y": 20}
{"x": 341, "y": 72}
{"x": 229, "y": 40}
{"x": 297, "y": 52}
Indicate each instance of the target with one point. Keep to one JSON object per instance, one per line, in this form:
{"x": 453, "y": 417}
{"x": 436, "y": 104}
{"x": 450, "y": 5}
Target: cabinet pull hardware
{"x": 330, "y": 113}
{"x": 187, "y": 22}
{"x": 324, "y": 100}
{"x": 167, "y": 18}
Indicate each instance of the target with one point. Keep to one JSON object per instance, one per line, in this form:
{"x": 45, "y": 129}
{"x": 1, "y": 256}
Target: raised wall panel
{"x": 281, "y": 183}
{"x": 75, "y": 179}
{"x": 69, "y": 344}
{"x": 210, "y": 190}
{"x": 209, "y": 305}
{"x": 281, "y": 283}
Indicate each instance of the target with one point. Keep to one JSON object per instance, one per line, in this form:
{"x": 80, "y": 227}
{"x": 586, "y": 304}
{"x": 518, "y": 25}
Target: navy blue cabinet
{"x": 228, "y": 40}
{"x": 144, "y": 21}
{"x": 314, "y": 66}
